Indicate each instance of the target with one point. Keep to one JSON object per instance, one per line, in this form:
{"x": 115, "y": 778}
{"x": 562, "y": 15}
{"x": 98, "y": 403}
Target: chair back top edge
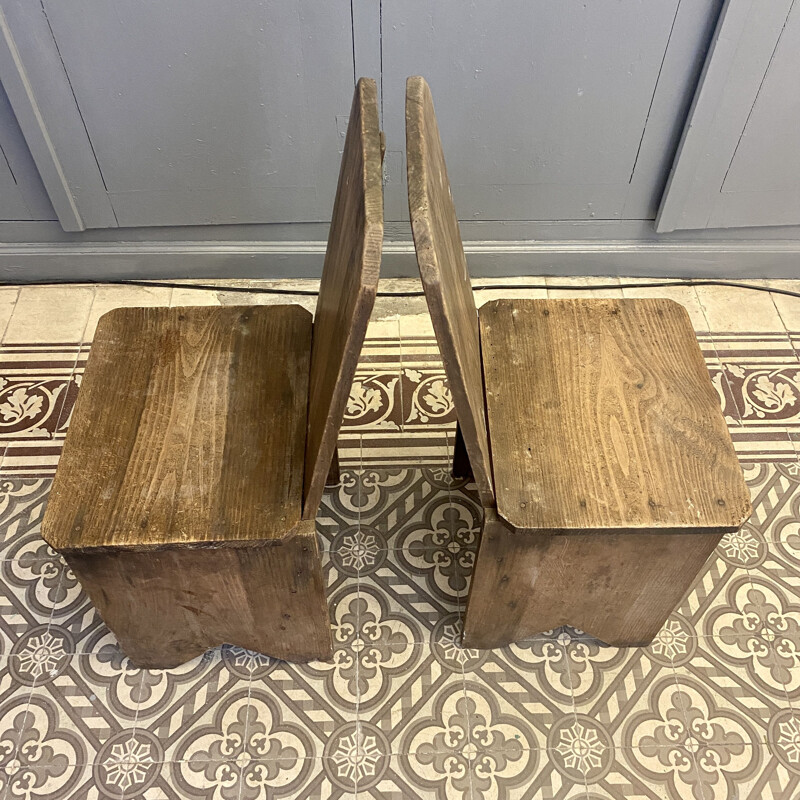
{"x": 445, "y": 277}
{"x": 348, "y": 288}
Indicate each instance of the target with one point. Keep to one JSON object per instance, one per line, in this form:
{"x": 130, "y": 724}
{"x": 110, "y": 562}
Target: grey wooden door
{"x": 144, "y": 113}
{"x": 738, "y": 163}
{"x": 548, "y": 109}
{"x": 22, "y": 194}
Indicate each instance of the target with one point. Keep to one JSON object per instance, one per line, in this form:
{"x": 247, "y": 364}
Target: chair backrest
{"x": 443, "y": 268}
{"x": 348, "y": 287}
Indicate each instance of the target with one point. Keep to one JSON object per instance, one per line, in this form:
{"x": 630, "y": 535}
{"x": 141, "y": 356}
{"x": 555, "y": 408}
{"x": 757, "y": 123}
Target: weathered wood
{"x": 613, "y": 475}
{"x": 348, "y": 287}
{"x": 197, "y": 434}
{"x": 168, "y": 606}
{"x": 443, "y": 268}
{"x": 189, "y": 430}
{"x": 619, "y": 587}
{"x": 603, "y": 416}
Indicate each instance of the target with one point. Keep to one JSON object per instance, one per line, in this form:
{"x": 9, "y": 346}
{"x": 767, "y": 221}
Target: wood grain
{"x": 445, "y": 278}
{"x": 168, "y": 606}
{"x": 189, "y": 430}
{"x": 619, "y": 587}
{"x": 348, "y": 287}
{"x": 603, "y": 416}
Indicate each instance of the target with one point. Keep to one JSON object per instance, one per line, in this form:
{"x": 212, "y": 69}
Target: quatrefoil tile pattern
{"x": 710, "y": 711}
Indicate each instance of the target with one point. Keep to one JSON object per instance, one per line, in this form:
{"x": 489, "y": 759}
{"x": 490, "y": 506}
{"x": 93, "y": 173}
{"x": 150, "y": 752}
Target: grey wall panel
{"x": 12, "y": 203}
{"x": 37, "y": 86}
{"x": 209, "y": 112}
{"x": 767, "y": 155}
{"x": 543, "y": 105}
{"x": 31, "y": 200}
{"x": 737, "y": 164}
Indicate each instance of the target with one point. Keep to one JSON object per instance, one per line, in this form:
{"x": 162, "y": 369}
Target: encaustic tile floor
{"x": 711, "y": 710}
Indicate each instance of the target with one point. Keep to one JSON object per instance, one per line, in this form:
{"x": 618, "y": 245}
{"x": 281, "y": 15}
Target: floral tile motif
{"x": 402, "y": 686}
{"x": 709, "y": 710}
{"x": 406, "y": 593}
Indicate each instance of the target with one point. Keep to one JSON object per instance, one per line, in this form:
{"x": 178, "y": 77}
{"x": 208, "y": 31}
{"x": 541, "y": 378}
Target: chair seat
{"x": 602, "y": 415}
{"x": 189, "y": 431}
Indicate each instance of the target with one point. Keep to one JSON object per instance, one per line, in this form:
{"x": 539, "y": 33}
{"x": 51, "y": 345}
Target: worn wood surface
{"x": 443, "y": 268}
{"x": 189, "y": 430}
{"x": 602, "y": 415}
{"x": 168, "y": 606}
{"x": 348, "y": 287}
{"x": 618, "y": 587}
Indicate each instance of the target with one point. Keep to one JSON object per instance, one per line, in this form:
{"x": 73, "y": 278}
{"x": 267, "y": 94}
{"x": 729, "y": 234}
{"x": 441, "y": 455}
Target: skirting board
{"x": 28, "y": 263}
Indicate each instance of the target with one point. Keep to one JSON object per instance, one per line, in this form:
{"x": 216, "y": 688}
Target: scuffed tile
{"x": 8, "y": 299}
{"x": 193, "y": 297}
{"x": 584, "y": 281}
{"x": 788, "y": 306}
{"x": 483, "y": 296}
{"x": 107, "y": 298}
{"x": 49, "y": 314}
{"x": 731, "y": 309}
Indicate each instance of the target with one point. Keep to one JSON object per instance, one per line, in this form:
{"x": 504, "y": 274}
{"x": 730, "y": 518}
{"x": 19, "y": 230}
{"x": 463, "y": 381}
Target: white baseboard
{"x": 291, "y": 259}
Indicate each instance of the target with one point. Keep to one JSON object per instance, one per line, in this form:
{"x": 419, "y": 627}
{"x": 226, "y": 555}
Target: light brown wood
{"x": 347, "y": 291}
{"x": 200, "y": 444}
{"x": 443, "y": 268}
{"x": 611, "y": 475}
{"x": 189, "y": 430}
{"x": 603, "y": 416}
{"x": 619, "y": 587}
{"x": 168, "y": 606}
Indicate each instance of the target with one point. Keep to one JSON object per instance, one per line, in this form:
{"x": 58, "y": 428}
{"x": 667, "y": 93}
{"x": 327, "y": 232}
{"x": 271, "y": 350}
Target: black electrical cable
{"x": 419, "y": 292}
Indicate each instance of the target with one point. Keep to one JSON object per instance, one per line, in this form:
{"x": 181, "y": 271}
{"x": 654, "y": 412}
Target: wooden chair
{"x": 595, "y": 437}
{"x": 200, "y": 443}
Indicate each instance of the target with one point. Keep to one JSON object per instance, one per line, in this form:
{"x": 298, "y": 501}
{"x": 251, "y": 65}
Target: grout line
{"x": 360, "y": 479}
{"x": 13, "y": 309}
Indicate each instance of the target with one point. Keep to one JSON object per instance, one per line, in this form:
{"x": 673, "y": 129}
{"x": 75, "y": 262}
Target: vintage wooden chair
{"x": 595, "y": 437}
{"x": 200, "y": 443}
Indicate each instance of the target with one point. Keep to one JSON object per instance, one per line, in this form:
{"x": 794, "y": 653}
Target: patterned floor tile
{"x": 402, "y": 710}
{"x": 405, "y": 688}
{"x": 407, "y": 592}
{"x": 718, "y": 580}
{"x": 30, "y": 591}
{"x": 22, "y": 502}
{"x": 55, "y": 781}
{"x": 198, "y": 710}
{"x": 619, "y": 693}
{"x": 525, "y": 693}
{"x": 648, "y": 773}
{"x": 720, "y": 704}
{"x": 77, "y": 707}
{"x": 309, "y": 701}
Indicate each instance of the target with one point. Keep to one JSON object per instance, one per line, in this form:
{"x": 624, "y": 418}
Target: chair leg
{"x": 333, "y": 472}
{"x": 168, "y": 606}
{"x": 461, "y": 466}
{"x": 618, "y": 587}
